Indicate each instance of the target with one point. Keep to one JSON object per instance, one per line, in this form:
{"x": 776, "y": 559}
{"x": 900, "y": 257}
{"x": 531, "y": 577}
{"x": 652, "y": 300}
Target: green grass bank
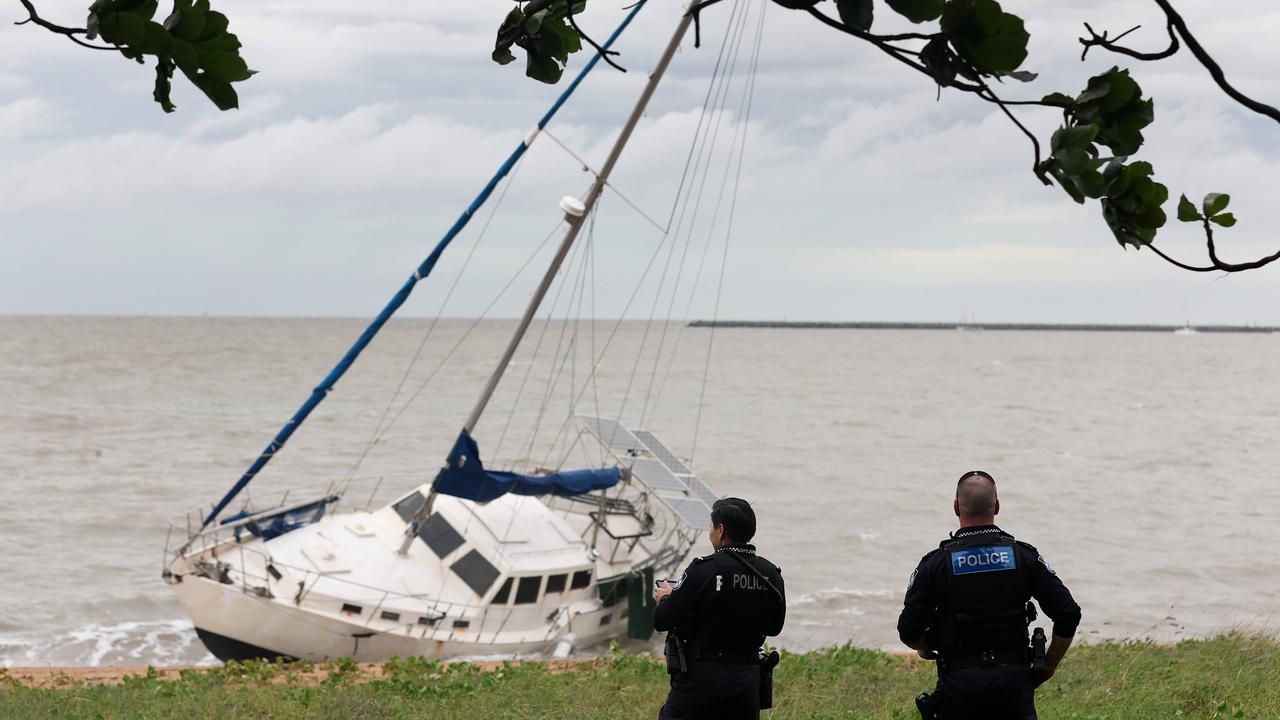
{"x": 1232, "y": 676}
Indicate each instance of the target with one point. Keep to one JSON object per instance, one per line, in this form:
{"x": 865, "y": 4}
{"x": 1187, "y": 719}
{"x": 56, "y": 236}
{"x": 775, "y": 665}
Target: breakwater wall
{"x": 1043, "y": 327}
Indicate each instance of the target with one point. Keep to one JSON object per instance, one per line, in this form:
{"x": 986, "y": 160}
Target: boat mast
{"x": 424, "y": 269}
{"x": 576, "y": 218}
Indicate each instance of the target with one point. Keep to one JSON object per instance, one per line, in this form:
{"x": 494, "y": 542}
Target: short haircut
{"x": 738, "y": 518}
{"x": 976, "y": 494}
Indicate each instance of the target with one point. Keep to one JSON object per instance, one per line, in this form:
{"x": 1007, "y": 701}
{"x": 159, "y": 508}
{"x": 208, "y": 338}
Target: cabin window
{"x": 527, "y": 590}
{"x": 353, "y": 609}
{"x": 392, "y": 616}
{"x": 409, "y": 505}
{"x": 556, "y": 583}
{"x": 274, "y": 572}
{"x": 503, "y": 594}
{"x": 462, "y": 624}
{"x": 439, "y": 535}
{"x": 581, "y": 579}
{"x": 605, "y": 619}
{"x": 424, "y": 620}
{"x": 476, "y": 572}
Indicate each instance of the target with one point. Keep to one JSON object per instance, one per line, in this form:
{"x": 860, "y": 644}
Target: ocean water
{"x": 1143, "y": 466}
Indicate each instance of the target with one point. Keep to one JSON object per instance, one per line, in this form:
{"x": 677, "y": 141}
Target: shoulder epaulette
{"x": 1026, "y": 545}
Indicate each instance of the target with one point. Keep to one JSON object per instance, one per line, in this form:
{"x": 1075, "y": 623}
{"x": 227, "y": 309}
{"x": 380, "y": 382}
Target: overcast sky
{"x": 372, "y": 124}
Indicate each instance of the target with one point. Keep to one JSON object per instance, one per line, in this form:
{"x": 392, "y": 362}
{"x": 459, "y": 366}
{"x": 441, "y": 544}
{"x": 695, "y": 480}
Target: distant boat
{"x": 1186, "y": 329}
{"x": 967, "y": 323}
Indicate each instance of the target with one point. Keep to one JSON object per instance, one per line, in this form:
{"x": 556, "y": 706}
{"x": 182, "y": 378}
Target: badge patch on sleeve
{"x": 980, "y": 560}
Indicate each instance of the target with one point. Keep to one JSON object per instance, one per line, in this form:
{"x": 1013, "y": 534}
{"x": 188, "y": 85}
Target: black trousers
{"x": 997, "y": 692}
{"x": 714, "y": 691}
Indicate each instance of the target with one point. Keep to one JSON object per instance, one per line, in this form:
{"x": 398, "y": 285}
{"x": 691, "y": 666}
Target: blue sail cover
{"x": 465, "y": 477}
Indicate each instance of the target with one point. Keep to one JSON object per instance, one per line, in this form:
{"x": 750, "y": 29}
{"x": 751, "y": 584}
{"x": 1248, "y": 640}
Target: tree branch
{"x": 1178, "y": 29}
{"x": 69, "y": 33}
{"x": 1232, "y": 267}
{"x": 1102, "y": 41}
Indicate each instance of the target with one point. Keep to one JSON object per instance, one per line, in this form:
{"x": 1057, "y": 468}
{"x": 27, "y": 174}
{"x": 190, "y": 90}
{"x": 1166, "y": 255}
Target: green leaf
{"x": 1023, "y": 76}
{"x": 190, "y": 24}
{"x": 1058, "y": 100}
{"x": 224, "y": 66}
{"x": 939, "y": 61}
{"x": 215, "y": 24}
{"x": 1215, "y": 203}
{"x": 1224, "y": 219}
{"x": 186, "y": 56}
{"x": 1187, "y": 211}
{"x": 994, "y": 41}
{"x": 164, "y": 84}
{"x": 857, "y": 14}
{"x": 543, "y": 69}
{"x": 917, "y": 11}
{"x": 122, "y": 28}
{"x": 221, "y": 93}
{"x": 156, "y": 40}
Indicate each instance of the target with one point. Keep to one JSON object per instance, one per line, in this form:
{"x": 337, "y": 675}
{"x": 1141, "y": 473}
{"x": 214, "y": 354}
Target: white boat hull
{"x": 235, "y": 625}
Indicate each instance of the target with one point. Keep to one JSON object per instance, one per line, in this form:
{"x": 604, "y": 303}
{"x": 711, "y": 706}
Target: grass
{"x": 1232, "y": 676}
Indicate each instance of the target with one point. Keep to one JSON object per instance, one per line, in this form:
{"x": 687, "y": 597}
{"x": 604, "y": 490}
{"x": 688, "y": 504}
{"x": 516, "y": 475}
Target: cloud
{"x": 371, "y": 127}
{"x": 26, "y": 118}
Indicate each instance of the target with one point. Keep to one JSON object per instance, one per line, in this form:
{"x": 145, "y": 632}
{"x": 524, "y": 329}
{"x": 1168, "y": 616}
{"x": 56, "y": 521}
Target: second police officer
{"x": 967, "y": 605}
{"x": 717, "y": 617}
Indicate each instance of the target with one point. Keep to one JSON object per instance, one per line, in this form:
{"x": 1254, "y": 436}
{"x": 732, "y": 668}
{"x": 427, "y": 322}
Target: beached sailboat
{"x": 475, "y": 562}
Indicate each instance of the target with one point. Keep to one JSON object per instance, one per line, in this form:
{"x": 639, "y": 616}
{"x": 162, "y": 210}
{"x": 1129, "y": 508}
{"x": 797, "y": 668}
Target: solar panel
{"x": 691, "y": 510}
{"x": 661, "y": 452}
{"x": 612, "y": 434}
{"x": 701, "y": 490}
{"x": 656, "y": 475}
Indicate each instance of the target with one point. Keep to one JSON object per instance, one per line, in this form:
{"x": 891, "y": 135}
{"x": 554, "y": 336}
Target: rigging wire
{"x": 755, "y": 62}
{"x": 379, "y": 431}
{"x": 587, "y": 168}
{"x": 555, "y": 302}
{"x": 471, "y": 328}
{"x": 709, "y": 145}
{"x": 741, "y": 127}
{"x": 692, "y": 162}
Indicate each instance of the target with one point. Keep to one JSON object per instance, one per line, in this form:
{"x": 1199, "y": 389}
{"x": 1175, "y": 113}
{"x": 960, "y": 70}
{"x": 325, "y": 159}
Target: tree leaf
{"x": 190, "y": 24}
{"x": 1224, "y": 219}
{"x": 857, "y": 14}
{"x": 1187, "y": 211}
{"x": 215, "y": 24}
{"x": 994, "y": 41}
{"x": 917, "y": 11}
{"x": 1058, "y": 99}
{"x": 1215, "y": 203}
{"x": 224, "y": 66}
{"x": 1023, "y": 76}
{"x": 164, "y": 84}
{"x": 939, "y": 61}
{"x": 156, "y": 40}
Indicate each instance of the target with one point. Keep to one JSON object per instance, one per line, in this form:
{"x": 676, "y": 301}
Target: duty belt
{"x": 990, "y": 658}
{"x": 720, "y": 655}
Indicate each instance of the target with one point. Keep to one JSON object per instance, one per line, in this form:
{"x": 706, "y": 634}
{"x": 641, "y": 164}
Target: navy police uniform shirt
{"x": 970, "y": 590}
{"x": 720, "y": 604}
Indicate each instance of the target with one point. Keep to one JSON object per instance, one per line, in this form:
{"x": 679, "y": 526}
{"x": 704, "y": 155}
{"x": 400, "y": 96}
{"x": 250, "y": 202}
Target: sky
{"x": 370, "y": 126}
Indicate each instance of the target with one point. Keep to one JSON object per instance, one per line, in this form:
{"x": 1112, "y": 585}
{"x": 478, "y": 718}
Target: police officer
{"x": 717, "y": 617}
{"x": 967, "y": 605}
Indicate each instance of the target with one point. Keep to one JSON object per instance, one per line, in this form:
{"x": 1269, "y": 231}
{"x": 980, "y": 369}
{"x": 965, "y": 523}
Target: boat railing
{"x": 354, "y": 494}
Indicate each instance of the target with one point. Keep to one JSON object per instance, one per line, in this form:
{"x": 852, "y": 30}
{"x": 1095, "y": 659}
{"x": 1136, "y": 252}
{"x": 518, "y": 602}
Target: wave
{"x": 161, "y": 642}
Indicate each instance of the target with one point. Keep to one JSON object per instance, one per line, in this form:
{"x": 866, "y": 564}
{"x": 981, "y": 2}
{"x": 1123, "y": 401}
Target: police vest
{"x": 740, "y": 609}
{"x": 986, "y": 594}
